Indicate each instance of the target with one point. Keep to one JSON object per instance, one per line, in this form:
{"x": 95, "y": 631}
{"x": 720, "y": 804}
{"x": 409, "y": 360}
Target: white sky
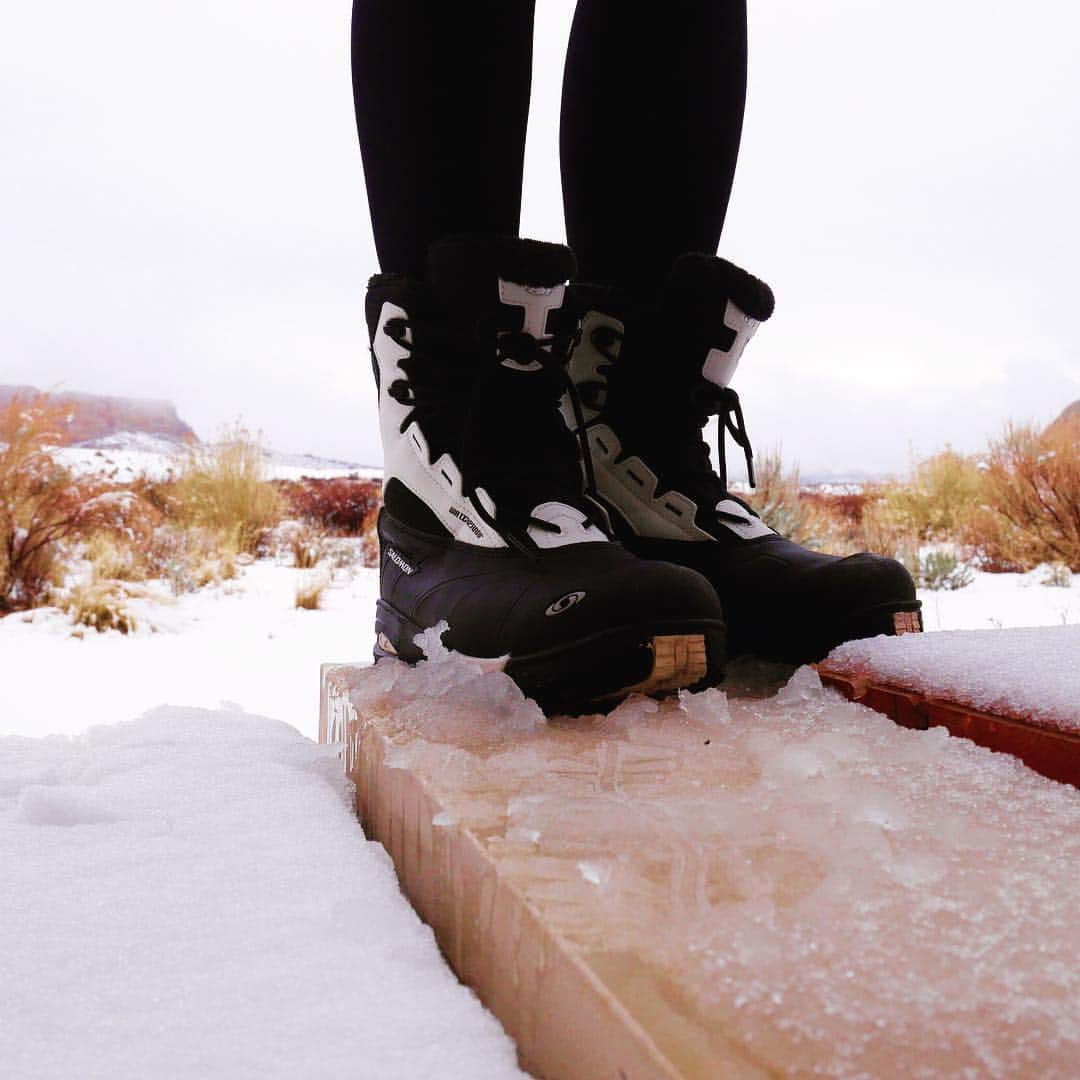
{"x": 184, "y": 216}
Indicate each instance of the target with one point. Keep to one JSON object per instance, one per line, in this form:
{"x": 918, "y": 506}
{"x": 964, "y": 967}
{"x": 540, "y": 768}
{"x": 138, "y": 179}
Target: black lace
{"x": 456, "y": 386}
{"x": 670, "y": 432}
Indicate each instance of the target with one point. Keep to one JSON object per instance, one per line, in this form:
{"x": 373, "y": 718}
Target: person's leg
{"x": 442, "y": 100}
{"x": 652, "y": 113}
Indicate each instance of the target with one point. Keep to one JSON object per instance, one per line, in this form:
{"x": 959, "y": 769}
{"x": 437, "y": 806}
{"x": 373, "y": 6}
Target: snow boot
{"x": 484, "y": 522}
{"x": 648, "y": 380}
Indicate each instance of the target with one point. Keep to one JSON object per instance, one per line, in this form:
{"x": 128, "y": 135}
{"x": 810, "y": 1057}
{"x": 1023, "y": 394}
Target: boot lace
{"x": 670, "y": 434}
{"x": 503, "y": 429}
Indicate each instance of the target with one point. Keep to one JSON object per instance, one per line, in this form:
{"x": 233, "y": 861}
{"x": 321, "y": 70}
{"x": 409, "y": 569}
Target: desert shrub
{"x": 943, "y": 570}
{"x": 939, "y": 498}
{"x": 303, "y": 541}
{"x": 1056, "y": 575}
{"x": 115, "y": 559}
{"x": 340, "y": 505}
{"x": 309, "y": 591}
{"x": 43, "y": 508}
{"x": 778, "y": 498}
{"x": 190, "y": 558}
{"x": 224, "y": 488}
{"x": 1031, "y": 509}
{"x": 99, "y": 606}
{"x": 371, "y": 538}
{"x": 880, "y": 532}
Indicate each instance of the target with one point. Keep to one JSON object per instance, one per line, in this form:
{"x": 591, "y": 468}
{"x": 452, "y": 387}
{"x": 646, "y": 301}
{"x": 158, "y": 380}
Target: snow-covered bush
{"x": 99, "y": 606}
{"x": 304, "y": 542}
{"x": 943, "y": 570}
{"x": 309, "y": 591}
{"x": 1056, "y": 575}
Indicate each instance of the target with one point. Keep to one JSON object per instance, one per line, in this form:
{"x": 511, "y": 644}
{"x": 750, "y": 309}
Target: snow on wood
{"x": 715, "y": 886}
{"x": 1014, "y": 691}
{"x": 1030, "y": 673}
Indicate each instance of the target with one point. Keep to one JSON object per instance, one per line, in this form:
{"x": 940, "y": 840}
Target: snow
{"x": 996, "y": 601}
{"x": 842, "y": 896}
{"x": 241, "y": 642}
{"x": 1032, "y": 672}
{"x": 190, "y": 895}
{"x": 124, "y": 457}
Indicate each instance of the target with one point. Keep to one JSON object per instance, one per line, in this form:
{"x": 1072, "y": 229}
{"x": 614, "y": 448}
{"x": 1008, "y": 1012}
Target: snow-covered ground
{"x": 189, "y": 892}
{"x": 123, "y": 457}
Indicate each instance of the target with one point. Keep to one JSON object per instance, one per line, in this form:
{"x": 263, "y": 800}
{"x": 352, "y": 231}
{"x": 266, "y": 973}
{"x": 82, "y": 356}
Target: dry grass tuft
{"x": 224, "y": 488}
{"x": 305, "y": 542}
{"x": 99, "y": 606}
{"x": 309, "y": 592}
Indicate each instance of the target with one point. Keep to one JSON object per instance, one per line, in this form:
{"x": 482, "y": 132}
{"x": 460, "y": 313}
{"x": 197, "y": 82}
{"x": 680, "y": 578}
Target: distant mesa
{"x": 1068, "y": 422}
{"x": 94, "y": 417}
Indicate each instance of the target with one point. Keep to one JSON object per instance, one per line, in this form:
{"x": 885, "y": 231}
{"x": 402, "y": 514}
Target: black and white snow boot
{"x": 484, "y": 521}
{"x": 648, "y": 380}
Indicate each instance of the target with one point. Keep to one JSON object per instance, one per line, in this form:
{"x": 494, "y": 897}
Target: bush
{"x": 41, "y": 505}
{"x": 1057, "y": 576}
{"x": 224, "y": 488}
{"x": 99, "y": 606}
{"x": 943, "y": 570}
{"x": 191, "y": 558}
{"x": 305, "y": 542}
{"x": 939, "y": 498}
{"x": 881, "y": 532}
{"x": 341, "y": 505}
{"x": 309, "y": 592}
{"x": 114, "y": 559}
{"x": 1031, "y": 513}
{"x": 778, "y": 499}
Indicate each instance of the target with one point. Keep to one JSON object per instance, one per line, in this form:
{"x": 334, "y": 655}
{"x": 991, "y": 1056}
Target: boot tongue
{"x": 717, "y": 307}
{"x": 509, "y": 293}
{"x": 518, "y": 283}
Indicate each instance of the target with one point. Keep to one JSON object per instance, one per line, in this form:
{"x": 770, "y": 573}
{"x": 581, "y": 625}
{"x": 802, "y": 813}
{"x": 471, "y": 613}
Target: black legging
{"x": 651, "y": 118}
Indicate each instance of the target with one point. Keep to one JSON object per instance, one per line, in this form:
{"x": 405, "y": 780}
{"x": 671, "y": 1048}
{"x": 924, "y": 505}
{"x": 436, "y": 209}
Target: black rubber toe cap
{"x": 570, "y": 602}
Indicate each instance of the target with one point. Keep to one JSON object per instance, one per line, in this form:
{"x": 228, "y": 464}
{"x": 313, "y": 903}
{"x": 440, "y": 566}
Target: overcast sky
{"x": 183, "y": 216}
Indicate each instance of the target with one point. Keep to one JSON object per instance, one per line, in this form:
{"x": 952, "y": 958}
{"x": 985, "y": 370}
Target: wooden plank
{"x": 1055, "y": 754}
{"x": 575, "y": 1013}
{"x": 723, "y": 887}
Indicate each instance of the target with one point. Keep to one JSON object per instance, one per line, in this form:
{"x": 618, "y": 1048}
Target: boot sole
{"x": 679, "y": 661}
{"x": 595, "y": 671}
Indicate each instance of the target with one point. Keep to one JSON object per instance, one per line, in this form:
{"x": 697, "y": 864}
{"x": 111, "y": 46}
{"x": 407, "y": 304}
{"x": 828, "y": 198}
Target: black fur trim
{"x": 525, "y": 262}
{"x": 708, "y": 278}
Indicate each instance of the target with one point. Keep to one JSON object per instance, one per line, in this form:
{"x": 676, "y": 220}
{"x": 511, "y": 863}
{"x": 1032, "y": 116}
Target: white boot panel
{"x": 574, "y": 527}
{"x": 585, "y": 363}
{"x": 405, "y": 453}
{"x": 748, "y": 527}
{"x": 720, "y": 364}
{"x": 538, "y": 302}
{"x": 630, "y": 486}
